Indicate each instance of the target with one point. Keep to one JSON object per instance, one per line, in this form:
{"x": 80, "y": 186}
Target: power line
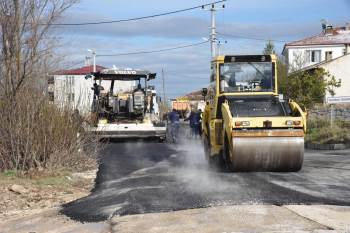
{"x": 136, "y": 18}
{"x": 152, "y": 51}
{"x": 250, "y": 38}
{"x": 74, "y": 65}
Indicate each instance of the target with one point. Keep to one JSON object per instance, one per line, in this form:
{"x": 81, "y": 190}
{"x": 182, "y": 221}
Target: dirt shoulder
{"x": 21, "y": 194}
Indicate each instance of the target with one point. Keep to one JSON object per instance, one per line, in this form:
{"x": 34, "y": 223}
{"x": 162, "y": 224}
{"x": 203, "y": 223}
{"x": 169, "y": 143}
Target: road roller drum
{"x": 267, "y": 154}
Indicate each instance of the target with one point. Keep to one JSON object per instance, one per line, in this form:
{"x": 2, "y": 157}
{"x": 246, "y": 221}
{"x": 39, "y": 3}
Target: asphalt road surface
{"x": 145, "y": 177}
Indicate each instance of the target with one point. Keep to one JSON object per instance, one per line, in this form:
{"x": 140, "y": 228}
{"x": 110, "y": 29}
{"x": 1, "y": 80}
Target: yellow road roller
{"x": 247, "y": 125}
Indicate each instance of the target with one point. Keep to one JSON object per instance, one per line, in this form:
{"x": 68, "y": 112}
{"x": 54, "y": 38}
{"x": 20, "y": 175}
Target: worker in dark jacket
{"x": 174, "y": 119}
{"x": 195, "y": 121}
{"x": 97, "y": 90}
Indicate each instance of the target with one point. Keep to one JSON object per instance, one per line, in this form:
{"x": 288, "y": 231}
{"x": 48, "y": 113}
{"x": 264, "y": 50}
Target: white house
{"x": 340, "y": 69}
{"x": 329, "y": 44}
{"x": 70, "y": 88}
{"x": 329, "y": 50}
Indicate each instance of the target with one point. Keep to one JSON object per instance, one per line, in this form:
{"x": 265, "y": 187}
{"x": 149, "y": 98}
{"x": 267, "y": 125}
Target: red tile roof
{"x": 195, "y": 95}
{"x": 80, "y": 71}
{"x": 337, "y": 37}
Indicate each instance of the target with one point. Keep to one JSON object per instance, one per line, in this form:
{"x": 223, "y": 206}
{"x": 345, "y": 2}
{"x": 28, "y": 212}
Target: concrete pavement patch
{"x": 240, "y": 218}
{"x": 228, "y": 219}
{"x": 335, "y": 217}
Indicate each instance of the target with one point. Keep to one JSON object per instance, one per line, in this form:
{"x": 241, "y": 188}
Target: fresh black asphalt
{"x": 143, "y": 177}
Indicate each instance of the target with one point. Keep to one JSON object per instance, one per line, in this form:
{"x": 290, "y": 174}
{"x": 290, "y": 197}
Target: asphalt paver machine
{"x": 124, "y": 105}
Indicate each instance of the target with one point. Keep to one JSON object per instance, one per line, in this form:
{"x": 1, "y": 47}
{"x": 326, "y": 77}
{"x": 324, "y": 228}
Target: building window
{"x": 51, "y": 80}
{"x": 329, "y": 55}
{"x": 313, "y": 56}
{"x": 71, "y": 78}
{"x": 51, "y": 96}
{"x": 71, "y": 97}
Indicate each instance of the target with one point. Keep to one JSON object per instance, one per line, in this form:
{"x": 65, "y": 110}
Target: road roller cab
{"x": 247, "y": 125}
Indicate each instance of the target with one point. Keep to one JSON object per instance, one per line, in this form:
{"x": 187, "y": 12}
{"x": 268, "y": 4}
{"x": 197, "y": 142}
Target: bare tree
{"x": 25, "y": 35}
{"x": 33, "y": 132}
{"x": 299, "y": 62}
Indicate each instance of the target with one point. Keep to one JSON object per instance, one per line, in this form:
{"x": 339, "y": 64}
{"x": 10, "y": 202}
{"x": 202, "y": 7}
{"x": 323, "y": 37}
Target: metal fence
{"x": 339, "y": 112}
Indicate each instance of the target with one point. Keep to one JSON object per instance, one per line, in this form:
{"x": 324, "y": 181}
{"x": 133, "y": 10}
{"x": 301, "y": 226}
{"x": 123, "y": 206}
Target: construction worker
{"x": 174, "y": 119}
{"x": 97, "y": 90}
{"x": 197, "y": 123}
{"x": 195, "y": 120}
{"x": 190, "y": 118}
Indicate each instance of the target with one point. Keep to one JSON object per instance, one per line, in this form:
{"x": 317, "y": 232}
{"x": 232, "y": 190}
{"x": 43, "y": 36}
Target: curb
{"x": 335, "y": 146}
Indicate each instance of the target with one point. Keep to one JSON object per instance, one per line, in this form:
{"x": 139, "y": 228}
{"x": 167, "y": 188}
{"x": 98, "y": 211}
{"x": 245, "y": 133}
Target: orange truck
{"x": 181, "y": 106}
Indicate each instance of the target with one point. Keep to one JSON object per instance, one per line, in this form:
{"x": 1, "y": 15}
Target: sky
{"x": 187, "y": 70}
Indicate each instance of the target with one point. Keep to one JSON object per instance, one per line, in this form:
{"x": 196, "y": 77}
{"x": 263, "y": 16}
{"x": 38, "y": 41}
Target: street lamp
{"x": 93, "y": 58}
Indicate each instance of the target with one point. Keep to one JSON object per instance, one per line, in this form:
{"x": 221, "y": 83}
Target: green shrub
{"x": 320, "y": 131}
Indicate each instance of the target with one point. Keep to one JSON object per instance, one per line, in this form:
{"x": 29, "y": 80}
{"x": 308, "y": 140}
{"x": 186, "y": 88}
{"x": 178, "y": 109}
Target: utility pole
{"x": 213, "y": 31}
{"x": 332, "y": 115}
{"x": 94, "y": 60}
{"x": 212, "y": 36}
{"x": 164, "y": 103}
{"x": 93, "y": 52}
{"x": 163, "y": 84}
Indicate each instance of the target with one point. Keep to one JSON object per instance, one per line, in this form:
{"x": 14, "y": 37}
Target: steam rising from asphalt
{"x": 201, "y": 179}
{"x": 196, "y": 172}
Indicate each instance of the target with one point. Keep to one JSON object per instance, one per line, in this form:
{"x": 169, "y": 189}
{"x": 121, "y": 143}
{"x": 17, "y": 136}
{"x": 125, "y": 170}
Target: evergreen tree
{"x": 269, "y": 48}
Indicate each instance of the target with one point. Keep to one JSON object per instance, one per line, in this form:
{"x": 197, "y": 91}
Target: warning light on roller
{"x": 242, "y": 123}
{"x": 291, "y": 122}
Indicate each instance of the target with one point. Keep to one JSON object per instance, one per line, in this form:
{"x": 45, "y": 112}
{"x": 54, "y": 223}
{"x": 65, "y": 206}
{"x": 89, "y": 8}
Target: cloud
{"x": 185, "y": 70}
{"x": 184, "y": 27}
{"x": 177, "y": 27}
{"x": 269, "y": 30}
